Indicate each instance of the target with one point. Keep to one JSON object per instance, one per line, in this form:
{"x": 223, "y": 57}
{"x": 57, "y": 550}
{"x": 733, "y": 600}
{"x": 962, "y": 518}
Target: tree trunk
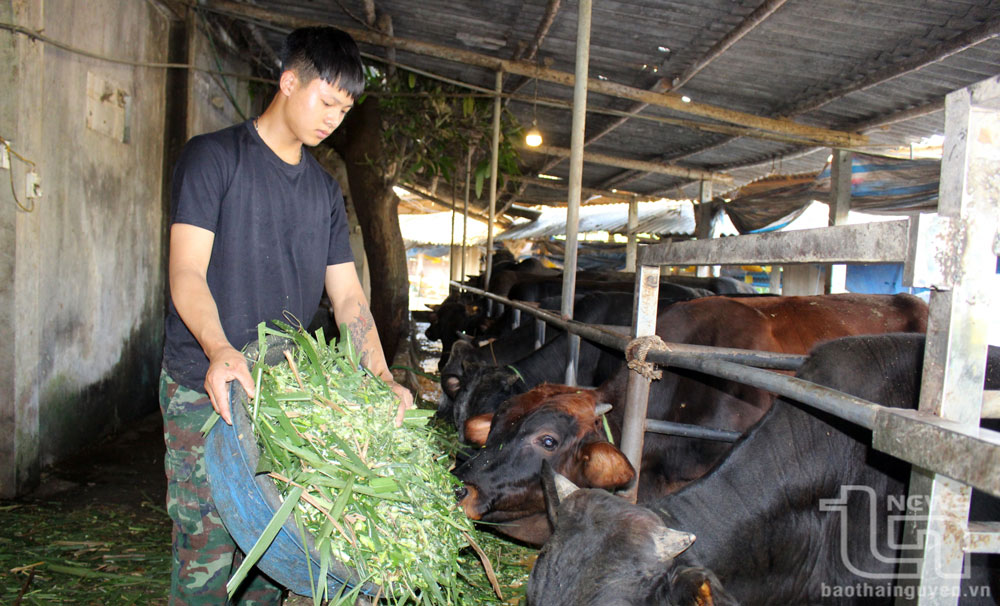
{"x": 359, "y": 142}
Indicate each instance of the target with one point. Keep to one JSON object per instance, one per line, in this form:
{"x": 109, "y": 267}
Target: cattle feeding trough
{"x": 952, "y": 255}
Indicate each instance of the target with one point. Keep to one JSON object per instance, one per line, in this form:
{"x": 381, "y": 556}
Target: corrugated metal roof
{"x": 663, "y": 217}
{"x": 804, "y": 51}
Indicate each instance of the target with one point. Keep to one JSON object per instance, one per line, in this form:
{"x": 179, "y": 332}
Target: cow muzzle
{"x": 468, "y": 500}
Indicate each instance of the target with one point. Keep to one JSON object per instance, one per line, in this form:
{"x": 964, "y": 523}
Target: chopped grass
{"x": 377, "y": 498}
{"x": 100, "y": 554}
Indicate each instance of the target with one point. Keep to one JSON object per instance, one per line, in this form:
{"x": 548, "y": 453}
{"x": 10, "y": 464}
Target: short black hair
{"x": 327, "y": 53}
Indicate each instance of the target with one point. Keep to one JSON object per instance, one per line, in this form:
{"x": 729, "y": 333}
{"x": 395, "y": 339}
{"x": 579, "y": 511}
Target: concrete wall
{"x": 82, "y": 276}
{"x": 85, "y": 302}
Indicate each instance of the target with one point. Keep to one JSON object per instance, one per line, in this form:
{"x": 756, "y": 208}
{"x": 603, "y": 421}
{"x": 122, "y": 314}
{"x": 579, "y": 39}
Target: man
{"x": 258, "y": 229}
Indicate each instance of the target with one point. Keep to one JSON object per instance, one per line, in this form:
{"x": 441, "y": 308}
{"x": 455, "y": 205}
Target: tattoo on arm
{"x": 359, "y": 330}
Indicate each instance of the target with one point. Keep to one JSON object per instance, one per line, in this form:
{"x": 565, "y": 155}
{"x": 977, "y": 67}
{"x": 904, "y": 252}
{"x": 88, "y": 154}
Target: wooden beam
{"x": 670, "y": 84}
{"x": 543, "y": 29}
{"x": 561, "y": 186}
{"x": 901, "y": 116}
{"x": 959, "y": 43}
{"x": 972, "y": 37}
{"x": 820, "y": 136}
{"x": 449, "y": 205}
{"x": 649, "y": 167}
{"x": 752, "y": 20}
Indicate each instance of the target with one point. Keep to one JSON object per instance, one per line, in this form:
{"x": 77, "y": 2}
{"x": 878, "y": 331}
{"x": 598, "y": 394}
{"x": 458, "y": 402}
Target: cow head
{"x": 460, "y": 359}
{"x": 456, "y": 314}
{"x": 484, "y": 390}
{"x": 553, "y": 423}
{"x": 605, "y": 550}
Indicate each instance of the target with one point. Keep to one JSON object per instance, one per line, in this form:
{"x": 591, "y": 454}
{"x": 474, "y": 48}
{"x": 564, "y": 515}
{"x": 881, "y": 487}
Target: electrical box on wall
{"x": 109, "y": 107}
{"x": 32, "y": 185}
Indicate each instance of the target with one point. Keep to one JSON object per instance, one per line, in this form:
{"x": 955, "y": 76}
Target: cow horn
{"x": 564, "y": 486}
{"x": 602, "y": 408}
{"x": 671, "y": 543}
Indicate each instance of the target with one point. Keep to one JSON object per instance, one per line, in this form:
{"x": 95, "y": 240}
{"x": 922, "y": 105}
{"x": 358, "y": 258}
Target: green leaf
{"x": 411, "y": 79}
{"x": 213, "y": 417}
{"x": 349, "y": 347}
{"x": 382, "y": 485}
{"x": 607, "y": 429}
{"x": 294, "y": 396}
{"x": 468, "y": 106}
{"x": 264, "y": 465}
{"x": 480, "y": 179}
{"x": 264, "y": 540}
{"x": 342, "y": 500}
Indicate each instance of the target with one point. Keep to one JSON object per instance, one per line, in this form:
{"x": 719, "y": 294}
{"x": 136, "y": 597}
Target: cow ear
{"x": 477, "y": 429}
{"x": 451, "y": 384}
{"x": 703, "y": 597}
{"x": 604, "y": 466}
{"x": 551, "y": 493}
{"x": 698, "y": 586}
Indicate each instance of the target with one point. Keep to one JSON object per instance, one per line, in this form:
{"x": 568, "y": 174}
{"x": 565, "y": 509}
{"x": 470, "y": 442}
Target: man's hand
{"x": 405, "y": 400}
{"x": 225, "y": 365}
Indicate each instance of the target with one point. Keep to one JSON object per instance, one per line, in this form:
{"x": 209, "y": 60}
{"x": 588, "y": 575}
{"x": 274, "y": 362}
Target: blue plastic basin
{"x": 247, "y": 502}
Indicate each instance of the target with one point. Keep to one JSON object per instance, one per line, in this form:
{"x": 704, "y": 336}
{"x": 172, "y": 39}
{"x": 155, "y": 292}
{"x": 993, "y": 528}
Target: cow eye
{"x": 548, "y": 442}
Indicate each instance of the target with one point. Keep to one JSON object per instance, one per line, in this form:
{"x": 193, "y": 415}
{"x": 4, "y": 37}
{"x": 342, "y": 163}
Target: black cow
{"x": 467, "y": 356}
{"x": 608, "y": 551}
{"x": 504, "y": 475}
{"x": 771, "y": 519}
{"x": 722, "y": 285}
{"x": 465, "y": 313}
{"x": 480, "y": 387}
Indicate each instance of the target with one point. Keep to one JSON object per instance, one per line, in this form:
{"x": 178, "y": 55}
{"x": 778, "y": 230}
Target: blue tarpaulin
{"x": 878, "y": 185}
{"x": 882, "y": 279}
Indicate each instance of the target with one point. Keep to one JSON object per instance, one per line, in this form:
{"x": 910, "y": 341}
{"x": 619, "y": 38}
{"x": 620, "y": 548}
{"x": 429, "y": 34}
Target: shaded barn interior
{"x": 681, "y": 94}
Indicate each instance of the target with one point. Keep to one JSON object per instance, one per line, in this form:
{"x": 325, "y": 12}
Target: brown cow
{"x": 558, "y": 423}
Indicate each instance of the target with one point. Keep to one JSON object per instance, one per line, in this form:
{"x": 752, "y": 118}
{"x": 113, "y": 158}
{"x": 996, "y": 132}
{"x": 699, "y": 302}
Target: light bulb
{"x": 533, "y": 138}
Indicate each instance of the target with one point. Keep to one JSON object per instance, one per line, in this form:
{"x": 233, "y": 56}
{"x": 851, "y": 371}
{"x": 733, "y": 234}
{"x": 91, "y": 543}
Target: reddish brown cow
{"x": 558, "y": 424}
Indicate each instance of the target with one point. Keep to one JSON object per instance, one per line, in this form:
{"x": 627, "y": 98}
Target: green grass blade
{"x": 264, "y": 540}
{"x": 342, "y": 499}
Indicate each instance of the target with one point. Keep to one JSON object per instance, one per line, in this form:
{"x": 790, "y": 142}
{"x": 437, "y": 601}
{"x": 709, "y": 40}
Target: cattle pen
{"x": 949, "y": 254}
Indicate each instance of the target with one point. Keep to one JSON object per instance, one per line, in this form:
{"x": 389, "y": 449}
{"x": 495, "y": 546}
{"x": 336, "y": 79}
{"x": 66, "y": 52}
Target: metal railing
{"x": 941, "y": 439}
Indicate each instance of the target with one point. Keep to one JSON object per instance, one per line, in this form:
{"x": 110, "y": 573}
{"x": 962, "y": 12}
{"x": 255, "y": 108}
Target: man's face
{"x": 316, "y": 109}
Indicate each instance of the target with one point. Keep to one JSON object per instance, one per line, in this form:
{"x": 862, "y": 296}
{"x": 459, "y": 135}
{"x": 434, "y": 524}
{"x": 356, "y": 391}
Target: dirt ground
{"x": 95, "y": 532}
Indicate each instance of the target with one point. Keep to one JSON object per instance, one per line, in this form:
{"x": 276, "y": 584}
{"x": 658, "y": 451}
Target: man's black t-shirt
{"x": 277, "y": 226}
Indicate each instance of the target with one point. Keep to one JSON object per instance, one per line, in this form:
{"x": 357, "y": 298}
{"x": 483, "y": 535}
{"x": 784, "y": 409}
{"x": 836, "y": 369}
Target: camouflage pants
{"x": 204, "y": 553}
